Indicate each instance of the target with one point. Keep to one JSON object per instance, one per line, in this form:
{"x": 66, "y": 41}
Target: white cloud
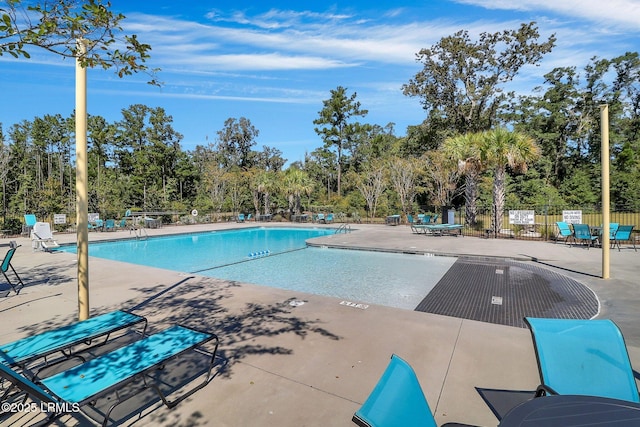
{"x": 624, "y": 13}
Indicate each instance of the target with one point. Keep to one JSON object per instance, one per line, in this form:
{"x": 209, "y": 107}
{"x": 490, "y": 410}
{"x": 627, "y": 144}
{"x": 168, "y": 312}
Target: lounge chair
{"x": 110, "y": 372}
{"x": 29, "y": 221}
{"x": 329, "y": 218}
{"x": 41, "y": 237}
{"x": 92, "y": 332}
{"x": 320, "y": 218}
{"x": 6, "y": 265}
{"x": 397, "y": 400}
{"x": 582, "y": 357}
{"x": 582, "y": 233}
{"x": 624, "y": 234}
{"x": 240, "y": 218}
{"x": 564, "y": 231}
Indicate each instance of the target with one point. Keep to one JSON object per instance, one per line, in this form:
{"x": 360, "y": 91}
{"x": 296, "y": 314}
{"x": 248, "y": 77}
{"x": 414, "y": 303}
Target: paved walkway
{"x": 314, "y": 364}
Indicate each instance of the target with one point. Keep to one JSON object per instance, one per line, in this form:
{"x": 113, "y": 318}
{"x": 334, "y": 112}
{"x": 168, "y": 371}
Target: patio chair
{"x": 110, "y": 225}
{"x": 109, "y": 373}
{"x": 329, "y": 218}
{"x": 582, "y": 357}
{"x": 92, "y": 332}
{"x": 29, "y": 221}
{"x": 397, "y": 400}
{"x": 624, "y": 234}
{"x": 564, "y": 231}
{"x": 6, "y": 265}
{"x": 41, "y": 237}
{"x": 582, "y": 233}
{"x": 320, "y": 218}
{"x": 240, "y": 218}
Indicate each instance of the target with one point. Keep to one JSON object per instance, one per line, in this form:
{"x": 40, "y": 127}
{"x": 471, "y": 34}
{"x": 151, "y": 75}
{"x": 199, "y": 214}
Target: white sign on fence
{"x": 93, "y": 217}
{"x": 59, "y": 218}
{"x": 572, "y": 217}
{"x": 522, "y": 217}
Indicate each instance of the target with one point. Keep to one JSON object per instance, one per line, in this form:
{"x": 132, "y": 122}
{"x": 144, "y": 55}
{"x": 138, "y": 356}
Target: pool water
{"x": 279, "y": 257}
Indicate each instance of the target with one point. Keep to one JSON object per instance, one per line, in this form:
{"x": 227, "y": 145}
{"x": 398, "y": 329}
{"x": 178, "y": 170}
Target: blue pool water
{"x": 279, "y": 257}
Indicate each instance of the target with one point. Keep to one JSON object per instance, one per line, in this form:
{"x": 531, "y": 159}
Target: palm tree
{"x": 465, "y": 149}
{"x": 296, "y": 182}
{"x": 500, "y": 149}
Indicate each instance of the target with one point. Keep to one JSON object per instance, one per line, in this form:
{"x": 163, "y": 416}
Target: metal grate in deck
{"x": 504, "y": 292}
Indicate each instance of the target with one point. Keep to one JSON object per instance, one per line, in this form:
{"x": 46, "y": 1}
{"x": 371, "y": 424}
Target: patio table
{"x": 572, "y": 410}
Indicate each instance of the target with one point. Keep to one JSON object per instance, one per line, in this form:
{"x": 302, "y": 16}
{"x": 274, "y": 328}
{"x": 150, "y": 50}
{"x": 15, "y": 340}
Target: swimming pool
{"x": 279, "y": 257}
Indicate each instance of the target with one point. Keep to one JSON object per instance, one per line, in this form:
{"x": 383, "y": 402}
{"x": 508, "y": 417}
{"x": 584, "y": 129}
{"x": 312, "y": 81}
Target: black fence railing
{"x": 537, "y": 222}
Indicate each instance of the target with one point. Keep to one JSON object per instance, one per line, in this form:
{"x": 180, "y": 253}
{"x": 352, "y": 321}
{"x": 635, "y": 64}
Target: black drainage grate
{"x": 504, "y": 292}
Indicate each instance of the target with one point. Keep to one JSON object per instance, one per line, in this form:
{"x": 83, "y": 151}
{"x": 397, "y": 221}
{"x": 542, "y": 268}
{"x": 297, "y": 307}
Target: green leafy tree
{"x": 460, "y": 85}
{"x": 56, "y": 26}
{"x": 336, "y": 127}
{"x": 235, "y": 141}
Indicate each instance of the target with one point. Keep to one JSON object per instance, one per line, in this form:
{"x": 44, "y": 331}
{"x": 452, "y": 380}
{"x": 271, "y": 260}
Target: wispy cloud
{"x": 624, "y": 13}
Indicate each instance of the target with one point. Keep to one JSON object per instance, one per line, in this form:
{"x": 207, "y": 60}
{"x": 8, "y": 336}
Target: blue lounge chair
{"x": 329, "y": 218}
{"x": 240, "y": 218}
{"x": 564, "y": 231}
{"x": 6, "y": 265}
{"x": 582, "y": 357}
{"x": 62, "y": 340}
{"x": 396, "y": 400}
{"x": 83, "y": 384}
{"x": 582, "y": 233}
{"x": 320, "y": 218}
{"x": 623, "y": 234}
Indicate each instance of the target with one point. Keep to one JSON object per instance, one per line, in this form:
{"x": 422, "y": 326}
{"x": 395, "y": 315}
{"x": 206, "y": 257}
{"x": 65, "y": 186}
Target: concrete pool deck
{"x": 314, "y": 364}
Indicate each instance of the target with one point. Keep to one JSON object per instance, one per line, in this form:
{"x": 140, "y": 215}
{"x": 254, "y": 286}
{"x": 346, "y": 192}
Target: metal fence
{"x": 536, "y": 222}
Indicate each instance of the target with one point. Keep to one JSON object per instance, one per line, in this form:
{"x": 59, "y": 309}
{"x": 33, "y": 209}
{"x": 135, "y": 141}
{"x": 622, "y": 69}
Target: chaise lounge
{"x": 80, "y": 386}
{"x": 89, "y": 333}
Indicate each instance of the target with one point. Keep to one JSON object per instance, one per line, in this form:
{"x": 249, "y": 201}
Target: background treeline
{"x": 357, "y": 168}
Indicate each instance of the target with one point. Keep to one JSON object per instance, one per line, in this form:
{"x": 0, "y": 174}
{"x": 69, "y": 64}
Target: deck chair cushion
{"x": 583, "y": 357}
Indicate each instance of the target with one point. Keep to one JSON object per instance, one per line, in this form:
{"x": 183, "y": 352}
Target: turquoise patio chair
{"x": 29, "y": 221}
{"x": 564, "y": 231}
{"x": 396, "y": 400}
{"x": 329, "y": 218}
{"x": 240, "y": 218}
{"x": 624, "y": 234}
{"x": 582, "y": 357}
{"x": 110, "y": 225}
{"x": 6, "y": 265}
{"x": 582, "y": 233}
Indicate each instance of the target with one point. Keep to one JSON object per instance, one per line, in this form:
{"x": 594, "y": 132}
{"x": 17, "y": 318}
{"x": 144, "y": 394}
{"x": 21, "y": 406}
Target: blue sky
{"x": 275, "y": 62}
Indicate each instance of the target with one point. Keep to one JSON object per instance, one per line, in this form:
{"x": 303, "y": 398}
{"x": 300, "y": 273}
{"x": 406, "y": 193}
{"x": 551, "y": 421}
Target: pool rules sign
{"x": 522, "y": 217}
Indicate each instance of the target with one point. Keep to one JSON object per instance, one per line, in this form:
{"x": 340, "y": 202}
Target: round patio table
{"x": 570, "y": 410}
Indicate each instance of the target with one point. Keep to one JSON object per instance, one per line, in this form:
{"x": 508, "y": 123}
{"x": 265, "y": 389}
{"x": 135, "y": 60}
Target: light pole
{"x": 82, "y": 177}
{"x": 604, "y": 159}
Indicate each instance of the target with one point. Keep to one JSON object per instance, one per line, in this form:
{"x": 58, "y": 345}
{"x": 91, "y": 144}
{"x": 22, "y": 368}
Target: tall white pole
{"x": 604, "y": 159}
{"x": 82, "y": 193}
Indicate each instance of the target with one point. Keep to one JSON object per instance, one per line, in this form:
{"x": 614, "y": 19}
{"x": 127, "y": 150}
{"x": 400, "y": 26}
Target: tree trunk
{"x": 498, "y": 198}
{"x": 470, "y": 198}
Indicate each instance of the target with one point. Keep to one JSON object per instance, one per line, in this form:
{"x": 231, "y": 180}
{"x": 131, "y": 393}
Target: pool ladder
{"x": 141, "y": 233}
{"x": 344, "y": 228}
